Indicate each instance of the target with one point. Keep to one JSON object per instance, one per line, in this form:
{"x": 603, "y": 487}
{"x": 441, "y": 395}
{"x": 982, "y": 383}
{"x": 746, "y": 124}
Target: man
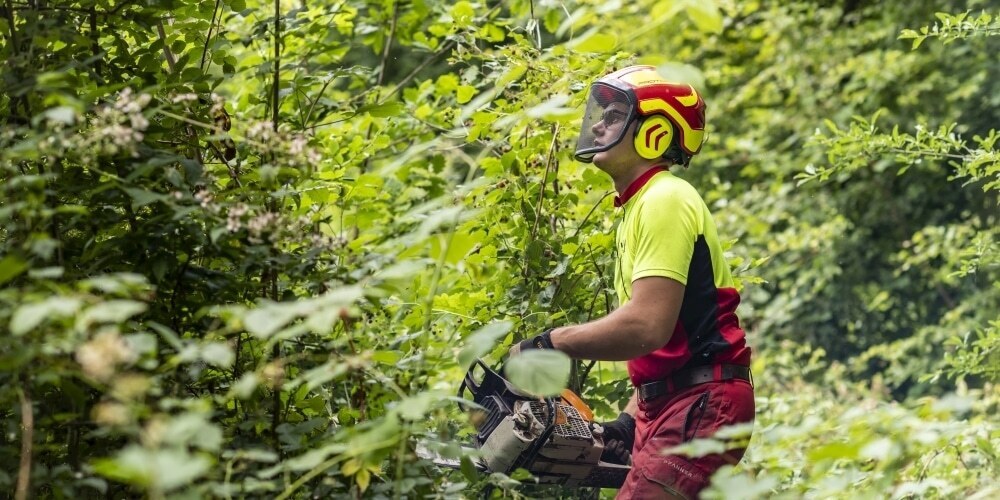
{"x": 676, "y": 322}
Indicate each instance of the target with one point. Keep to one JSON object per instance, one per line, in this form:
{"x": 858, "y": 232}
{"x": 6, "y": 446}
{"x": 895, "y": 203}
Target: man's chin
{"x": 599, "y": 160}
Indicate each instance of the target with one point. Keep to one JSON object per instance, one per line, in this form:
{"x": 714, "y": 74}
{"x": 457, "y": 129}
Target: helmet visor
{"x": 609, "y": 112}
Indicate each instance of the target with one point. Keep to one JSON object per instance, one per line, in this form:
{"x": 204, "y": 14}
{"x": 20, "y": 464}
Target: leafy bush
{"x": 249, "y": 249}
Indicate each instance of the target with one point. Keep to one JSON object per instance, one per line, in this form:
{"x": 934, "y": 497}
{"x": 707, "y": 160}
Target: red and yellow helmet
{"x": 671, "y": 116}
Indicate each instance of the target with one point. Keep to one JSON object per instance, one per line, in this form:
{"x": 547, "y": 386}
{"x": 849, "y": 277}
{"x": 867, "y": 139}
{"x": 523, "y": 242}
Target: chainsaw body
{"x": 552, "y": 438}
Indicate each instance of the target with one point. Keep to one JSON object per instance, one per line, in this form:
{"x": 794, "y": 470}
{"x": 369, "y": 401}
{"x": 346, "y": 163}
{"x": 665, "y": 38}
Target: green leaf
{"x": 834, "y": 451}
{"x": 142, "y": 343}
{"x": 46, "y": 272}
{"x": 554, "y": 107}
{"x": 464, "y": 93}
{"x": 696, "y": 448}
{"x": 706, "y": 16}
{"x": 482, "y": 341}
{"x": 469, "y": 469}
{"x": 267, "y": 320}
{"x": 542, "y": 372}
{"x": 728, "y": 484}
{"x": 593, "y": 41}
{"x": 880, "y": 449}
{"x": 218, "y": 354}
{"x": 311, "y": 458}
{"x": 141, "y": 197}
{"x": 463, "y": 13}
{"x": 10, "y": 268}
{"x": 192, "y": 429}
{"x": 384, "y": 110}
{"x": 245, "y": 386}
{"x": 112, "y": 311}
{"x": 386, "y": 357}
{"x": 29, "y": 316}
{"x": 61, "y": 114}
{"x": 511, "y": 75}
{"x": 415, "y": 408}
{"x": 163, "y": 469}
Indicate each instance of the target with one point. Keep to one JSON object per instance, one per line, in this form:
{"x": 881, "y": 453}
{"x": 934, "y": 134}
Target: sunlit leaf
{"x": 482, "y": 341}
{"x": 543, "y": 372}
{"x": 164, "y": 469}
{"x": 594, "y": 41}
{"x": 112, "y": 311}
{"x": 29, "y": 316}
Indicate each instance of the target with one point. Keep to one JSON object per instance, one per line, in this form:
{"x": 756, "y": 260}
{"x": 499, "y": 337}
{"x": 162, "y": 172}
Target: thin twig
{"x": 591, "y": 212}
{"x": 13, "y": 32}
{"x": 95, "y": 44}
{"x": 381, "y": 73}
{"x": 166, "y": 47}
{"x": 444, "y": 48}
{"x": 27, "y": 436}
{"x": 208, "y": 36}
{"x": 388, "y": 44}
{"x": 545, "y": 179}
{"x": 277, "y": 63}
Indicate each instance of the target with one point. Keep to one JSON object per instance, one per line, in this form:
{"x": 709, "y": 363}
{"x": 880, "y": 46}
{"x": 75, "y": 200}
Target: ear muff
{"x": 653, "y": 137}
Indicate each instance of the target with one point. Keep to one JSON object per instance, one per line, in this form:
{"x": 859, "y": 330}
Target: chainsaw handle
{"x": 470, "y": 382}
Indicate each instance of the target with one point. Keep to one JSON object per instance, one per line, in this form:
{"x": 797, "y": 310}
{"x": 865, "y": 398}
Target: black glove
{"x": 543, "y": 341}
{"x": 619, "y": 436}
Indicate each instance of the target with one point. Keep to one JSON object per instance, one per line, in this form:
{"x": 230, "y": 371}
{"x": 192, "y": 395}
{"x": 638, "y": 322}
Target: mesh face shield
{"x": 608, "y": 114}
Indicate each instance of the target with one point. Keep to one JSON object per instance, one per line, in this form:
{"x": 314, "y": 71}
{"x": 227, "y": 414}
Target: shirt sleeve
{"x": 667, "y": 228}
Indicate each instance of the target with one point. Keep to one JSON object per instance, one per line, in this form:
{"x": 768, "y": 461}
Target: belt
{"x": 692, "y": 376}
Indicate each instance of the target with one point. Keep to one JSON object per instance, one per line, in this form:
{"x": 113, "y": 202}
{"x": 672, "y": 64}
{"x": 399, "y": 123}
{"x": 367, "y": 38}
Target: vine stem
{"x": 277, "y": 63}
{"x": 27, "y": 436}
{"x": 545, "y": 180}
{"x": 381, "y": 72}
{"x": 271, "y": 272}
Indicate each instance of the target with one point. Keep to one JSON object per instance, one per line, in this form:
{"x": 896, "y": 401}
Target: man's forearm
{"x": 620, "y": 336}
{"x": 639, "y": 327}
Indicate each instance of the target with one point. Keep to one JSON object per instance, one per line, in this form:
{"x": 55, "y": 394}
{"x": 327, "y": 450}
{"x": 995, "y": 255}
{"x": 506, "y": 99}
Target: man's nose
{"x": 595, "y": 128}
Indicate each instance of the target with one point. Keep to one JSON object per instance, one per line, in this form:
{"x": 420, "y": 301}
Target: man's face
{"x": 622, "y": 155}
{"x": 609, "y": 128}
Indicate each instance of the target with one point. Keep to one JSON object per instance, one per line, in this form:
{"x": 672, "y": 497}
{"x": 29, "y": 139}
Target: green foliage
{"x": 820, "y": 435}
{"x": 249, "y": 250}
{"x": 954, "y": 27}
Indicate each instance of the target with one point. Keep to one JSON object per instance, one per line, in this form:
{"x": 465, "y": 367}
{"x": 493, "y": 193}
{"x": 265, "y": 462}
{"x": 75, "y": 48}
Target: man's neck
{"x": 625, "y": 180}
{"x": 626, "y": 194}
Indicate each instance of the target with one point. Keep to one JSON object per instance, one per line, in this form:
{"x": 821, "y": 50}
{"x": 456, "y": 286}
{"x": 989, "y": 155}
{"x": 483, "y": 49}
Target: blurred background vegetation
{"x": 245, "y": 245}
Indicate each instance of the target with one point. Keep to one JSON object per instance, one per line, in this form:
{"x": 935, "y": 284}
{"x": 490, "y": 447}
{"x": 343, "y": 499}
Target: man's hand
{"x": 619, "y": 436}
{"x": 543, "y": 341}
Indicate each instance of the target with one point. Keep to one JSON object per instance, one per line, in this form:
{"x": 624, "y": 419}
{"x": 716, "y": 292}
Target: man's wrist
{"x": 542, "y": 341}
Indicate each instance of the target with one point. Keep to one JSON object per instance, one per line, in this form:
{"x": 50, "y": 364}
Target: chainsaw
{"x": 555, "y": 439}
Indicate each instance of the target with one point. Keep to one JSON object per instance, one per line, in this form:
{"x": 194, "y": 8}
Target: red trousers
{"x": 669, "y": 420}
